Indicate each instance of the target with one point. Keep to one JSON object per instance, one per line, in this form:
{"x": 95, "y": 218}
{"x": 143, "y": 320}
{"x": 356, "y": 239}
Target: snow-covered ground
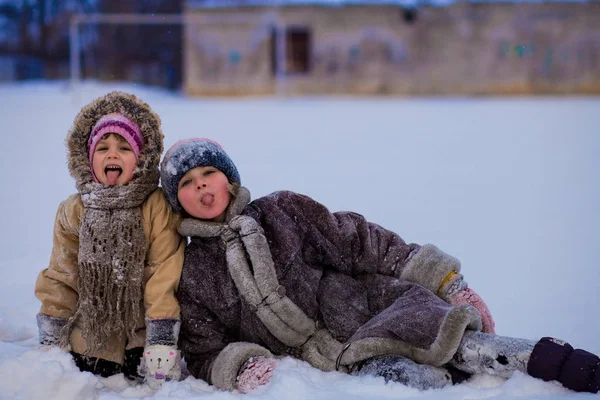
{"x": 510, "y": 186}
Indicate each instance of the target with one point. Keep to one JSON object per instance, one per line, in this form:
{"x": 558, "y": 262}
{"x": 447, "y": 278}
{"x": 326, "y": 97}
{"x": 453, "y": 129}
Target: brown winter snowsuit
{"x": 57, "y": 286}
{"x": 284, "y": 275}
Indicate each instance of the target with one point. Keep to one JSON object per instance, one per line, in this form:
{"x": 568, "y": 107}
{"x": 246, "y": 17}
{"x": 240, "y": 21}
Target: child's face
{"x": 204, "y": 193}
{"x": 113, "y": 160}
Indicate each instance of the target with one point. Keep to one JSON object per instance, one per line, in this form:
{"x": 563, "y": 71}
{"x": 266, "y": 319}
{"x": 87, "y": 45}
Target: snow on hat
{"x": 191, "y": 153}
{"x": 122, "y": 126}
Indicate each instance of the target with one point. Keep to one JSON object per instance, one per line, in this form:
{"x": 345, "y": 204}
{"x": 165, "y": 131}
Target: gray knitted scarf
{"x": 112, "y": 251}
{"x": 256, "y": 281}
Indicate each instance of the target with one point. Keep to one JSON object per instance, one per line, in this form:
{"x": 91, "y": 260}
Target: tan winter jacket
{"x": 56, "y": 285}
{"x": 59, "y": 287}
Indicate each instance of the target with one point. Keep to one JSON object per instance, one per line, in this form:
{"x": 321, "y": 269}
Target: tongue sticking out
{"x": 207, "y": 199}
{"x": 112, "y": 176}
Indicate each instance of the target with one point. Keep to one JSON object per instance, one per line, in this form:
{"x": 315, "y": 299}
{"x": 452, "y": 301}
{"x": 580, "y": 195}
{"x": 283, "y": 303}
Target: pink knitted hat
{"x": 122, "y": 126}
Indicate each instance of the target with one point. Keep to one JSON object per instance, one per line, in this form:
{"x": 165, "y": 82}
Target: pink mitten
{"x": 468, "y": 296}
{"x": 257, "y": 371}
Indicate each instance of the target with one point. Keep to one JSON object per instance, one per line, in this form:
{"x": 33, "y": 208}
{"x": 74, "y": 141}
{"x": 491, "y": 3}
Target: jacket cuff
{"x": 162, "y": 331}
{"x": 429, "y": 266}
{"x": 227, "y": 365}
{"x": 451, "y": 286}
{"x": 49, "y": 329}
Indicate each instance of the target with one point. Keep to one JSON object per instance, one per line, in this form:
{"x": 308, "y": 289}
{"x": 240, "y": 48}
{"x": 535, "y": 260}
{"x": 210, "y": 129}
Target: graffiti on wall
{"x": 337, "y": 54}
{"x": 351, "y": 53}
{"x": 546, "y": 59}
{"x": 524, "y": 47}
{"x": 507, "y": 50}
{"x": 547, "y": 53}
{"x": 227, "y": 54}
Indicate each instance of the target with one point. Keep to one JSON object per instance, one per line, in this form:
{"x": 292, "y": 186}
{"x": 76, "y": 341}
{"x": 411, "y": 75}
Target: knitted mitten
{"x": 469, "y": 296}
{"x": 161, "y": 363}
{"x": 256, "y": 371}
{"x": 161, "y": 360}
{"x": 49, "y": 329}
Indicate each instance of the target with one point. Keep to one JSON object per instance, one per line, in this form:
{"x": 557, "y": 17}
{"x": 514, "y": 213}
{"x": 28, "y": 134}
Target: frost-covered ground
{"x": 509, "y": 186}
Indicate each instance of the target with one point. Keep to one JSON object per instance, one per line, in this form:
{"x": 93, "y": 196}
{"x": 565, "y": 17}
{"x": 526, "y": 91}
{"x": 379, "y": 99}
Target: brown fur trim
{"x": 439, "y": 353}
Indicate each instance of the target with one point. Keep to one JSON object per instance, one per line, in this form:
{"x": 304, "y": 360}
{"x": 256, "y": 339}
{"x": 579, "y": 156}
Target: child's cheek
{"x": 184, "y": 198}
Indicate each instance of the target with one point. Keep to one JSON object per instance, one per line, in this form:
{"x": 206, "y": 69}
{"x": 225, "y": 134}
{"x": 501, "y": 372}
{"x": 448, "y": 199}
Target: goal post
{"x": 270, "y": 19}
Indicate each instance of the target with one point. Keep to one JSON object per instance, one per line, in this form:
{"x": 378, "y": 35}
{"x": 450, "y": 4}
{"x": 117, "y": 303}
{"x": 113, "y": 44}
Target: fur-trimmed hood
{"x": 133, "y": 108}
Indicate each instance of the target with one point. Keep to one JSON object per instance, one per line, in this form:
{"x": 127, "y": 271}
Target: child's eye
{"x": 101, "y": 148}
{"x": 184, "y": 183}
{"x": 209, "y": 172}
{"x": 125, "y": 149}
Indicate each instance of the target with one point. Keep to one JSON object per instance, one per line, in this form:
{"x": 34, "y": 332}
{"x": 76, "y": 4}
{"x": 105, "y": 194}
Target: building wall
{"x": 227, "y": 59}
{"x": 466, "y": 48}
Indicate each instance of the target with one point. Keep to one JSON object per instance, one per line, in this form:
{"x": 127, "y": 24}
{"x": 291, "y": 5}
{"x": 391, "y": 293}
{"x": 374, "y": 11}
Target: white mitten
{"x": 161, "y": 363}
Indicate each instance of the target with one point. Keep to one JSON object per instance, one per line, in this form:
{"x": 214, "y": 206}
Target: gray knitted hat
{"x": 191, "y": 153}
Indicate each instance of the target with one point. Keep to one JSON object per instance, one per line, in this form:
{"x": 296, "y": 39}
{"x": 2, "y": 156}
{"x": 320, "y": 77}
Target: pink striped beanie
{"x": 122, "y": 126}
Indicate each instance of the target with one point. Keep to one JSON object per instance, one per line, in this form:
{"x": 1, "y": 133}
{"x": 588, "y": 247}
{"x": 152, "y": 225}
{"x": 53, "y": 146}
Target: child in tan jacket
{"x": 109, "y": 289}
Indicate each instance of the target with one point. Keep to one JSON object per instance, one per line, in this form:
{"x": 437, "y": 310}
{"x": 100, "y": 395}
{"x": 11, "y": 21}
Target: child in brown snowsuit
{"x": 281, "y": 275}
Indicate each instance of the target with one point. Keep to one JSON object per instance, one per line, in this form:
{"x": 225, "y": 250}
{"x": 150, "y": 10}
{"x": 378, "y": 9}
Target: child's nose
{"x": 200, "y": 184}
{"x": 112, "y": 153}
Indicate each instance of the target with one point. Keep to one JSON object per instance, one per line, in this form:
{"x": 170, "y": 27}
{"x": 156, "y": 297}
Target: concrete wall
{"x": 466, "y": 48}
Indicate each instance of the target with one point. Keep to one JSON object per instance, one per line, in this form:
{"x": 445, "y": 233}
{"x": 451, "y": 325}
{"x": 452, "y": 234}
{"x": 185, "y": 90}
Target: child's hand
{"x": 160, "y": 364}
{"x": 256, "y": 371}
{"x": 468, "y": 296}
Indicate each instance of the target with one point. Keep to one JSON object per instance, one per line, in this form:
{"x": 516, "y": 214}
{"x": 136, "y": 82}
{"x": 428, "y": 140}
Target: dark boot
{"x": 405, "y": 371}
{"x": 555, "y": 360}
{"x": 97, "y": 366}
{"x": 131, "y": 364}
